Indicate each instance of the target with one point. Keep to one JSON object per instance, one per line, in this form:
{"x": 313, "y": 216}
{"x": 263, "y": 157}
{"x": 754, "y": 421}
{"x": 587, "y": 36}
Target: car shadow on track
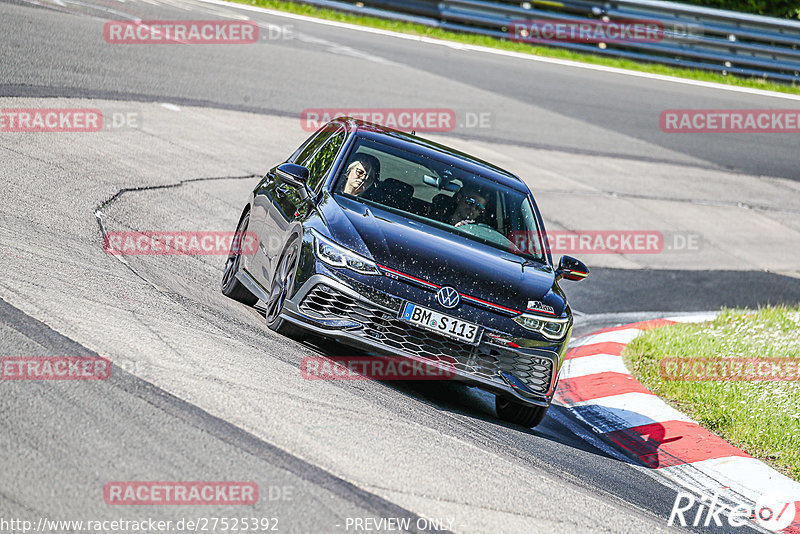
{"x": 470, "y": 408}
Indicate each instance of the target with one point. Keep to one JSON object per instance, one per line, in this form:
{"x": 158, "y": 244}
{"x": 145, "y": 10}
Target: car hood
{"x": 440, "y": 257}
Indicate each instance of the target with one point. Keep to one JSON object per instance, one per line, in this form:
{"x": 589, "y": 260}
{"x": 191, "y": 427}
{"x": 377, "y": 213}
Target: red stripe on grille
{"x": 488, "y": 303}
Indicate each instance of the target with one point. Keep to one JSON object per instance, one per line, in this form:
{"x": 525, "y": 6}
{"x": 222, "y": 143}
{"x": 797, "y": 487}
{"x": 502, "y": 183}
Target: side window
{"x": 311, "y": 145}
{"x": 321, "y": 162}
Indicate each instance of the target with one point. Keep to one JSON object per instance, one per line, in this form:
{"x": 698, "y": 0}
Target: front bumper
{"x": 368, "y": 319}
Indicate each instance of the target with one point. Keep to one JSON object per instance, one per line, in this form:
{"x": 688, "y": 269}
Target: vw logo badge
{"x": 448, "y": 297}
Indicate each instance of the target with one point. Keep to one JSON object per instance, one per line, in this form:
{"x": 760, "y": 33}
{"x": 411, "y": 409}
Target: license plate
{"x": 441, "y": 323}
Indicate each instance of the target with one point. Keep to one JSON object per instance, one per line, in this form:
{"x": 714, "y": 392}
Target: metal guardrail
{"x": 695, "y": 37}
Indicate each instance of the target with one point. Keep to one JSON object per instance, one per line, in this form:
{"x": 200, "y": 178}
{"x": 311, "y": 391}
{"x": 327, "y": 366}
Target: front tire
{"x": 518, "y": 413}
{"x": 231, "y": 286}
{"x": 282, "y": 284}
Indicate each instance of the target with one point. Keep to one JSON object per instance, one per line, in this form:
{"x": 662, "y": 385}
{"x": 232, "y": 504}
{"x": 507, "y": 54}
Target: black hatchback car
{"x": 403, "y": 247}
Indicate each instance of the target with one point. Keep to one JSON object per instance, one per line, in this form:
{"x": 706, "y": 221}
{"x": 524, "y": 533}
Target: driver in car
{"x": 361, "y": 173}
{"x": 469, "y": 204}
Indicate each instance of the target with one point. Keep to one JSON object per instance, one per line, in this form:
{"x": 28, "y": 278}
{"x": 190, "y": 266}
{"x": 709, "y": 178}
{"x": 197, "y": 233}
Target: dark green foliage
{"x": 773, "y": 8}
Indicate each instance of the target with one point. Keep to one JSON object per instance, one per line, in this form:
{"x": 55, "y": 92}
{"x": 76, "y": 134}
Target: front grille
{"x": 332, "y": 303}
{"x": 484, "y": 361}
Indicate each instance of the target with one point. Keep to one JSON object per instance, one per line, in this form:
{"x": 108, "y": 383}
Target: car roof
{"x": 443, "y": 153}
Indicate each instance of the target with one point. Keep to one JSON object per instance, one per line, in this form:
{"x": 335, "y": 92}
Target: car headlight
{"x": 554, "y": 329}
{"x": 336, "y": 255}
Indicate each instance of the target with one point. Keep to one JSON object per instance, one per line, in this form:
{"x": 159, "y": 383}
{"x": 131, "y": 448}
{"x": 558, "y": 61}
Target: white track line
{"x": 629, "y": 410}
{"x": 589, "y": 365}
{"x": 615, "y": 336}
{"x": 746, "y": 476}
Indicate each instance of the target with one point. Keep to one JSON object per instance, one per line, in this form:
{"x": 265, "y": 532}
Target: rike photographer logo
{"x": 773, "y": 511}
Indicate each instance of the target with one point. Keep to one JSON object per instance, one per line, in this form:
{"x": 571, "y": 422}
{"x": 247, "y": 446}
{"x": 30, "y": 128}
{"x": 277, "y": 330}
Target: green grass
{"x": 762, "y": 418}
{"x": 503, "y": 44}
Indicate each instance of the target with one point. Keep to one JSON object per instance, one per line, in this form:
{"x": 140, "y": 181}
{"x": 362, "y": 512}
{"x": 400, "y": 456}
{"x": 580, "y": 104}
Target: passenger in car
{"x": 361, "y": 174}
{"x": 467, "y": 205}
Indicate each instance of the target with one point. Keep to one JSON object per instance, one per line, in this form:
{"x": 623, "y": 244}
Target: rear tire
{"x": 231, "y": 286}
{"x": 518, "y": 413}
{"x": 282, "y": 284}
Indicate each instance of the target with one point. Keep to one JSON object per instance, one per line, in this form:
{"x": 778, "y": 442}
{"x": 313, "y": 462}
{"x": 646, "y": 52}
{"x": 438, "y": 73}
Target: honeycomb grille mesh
{"x": 483, "y": 361}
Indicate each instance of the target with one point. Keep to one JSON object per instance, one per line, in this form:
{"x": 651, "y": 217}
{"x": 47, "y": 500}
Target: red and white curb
{"x": 596, "y": 387}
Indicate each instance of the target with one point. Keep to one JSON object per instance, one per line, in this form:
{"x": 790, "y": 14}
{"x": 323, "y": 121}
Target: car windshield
{"x": 441, "y": 195}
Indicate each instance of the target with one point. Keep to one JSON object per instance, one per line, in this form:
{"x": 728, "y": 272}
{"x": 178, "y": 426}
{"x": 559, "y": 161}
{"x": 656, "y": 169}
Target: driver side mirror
{"x": 295, "y": 176}
{"x": 570, "y": 268}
